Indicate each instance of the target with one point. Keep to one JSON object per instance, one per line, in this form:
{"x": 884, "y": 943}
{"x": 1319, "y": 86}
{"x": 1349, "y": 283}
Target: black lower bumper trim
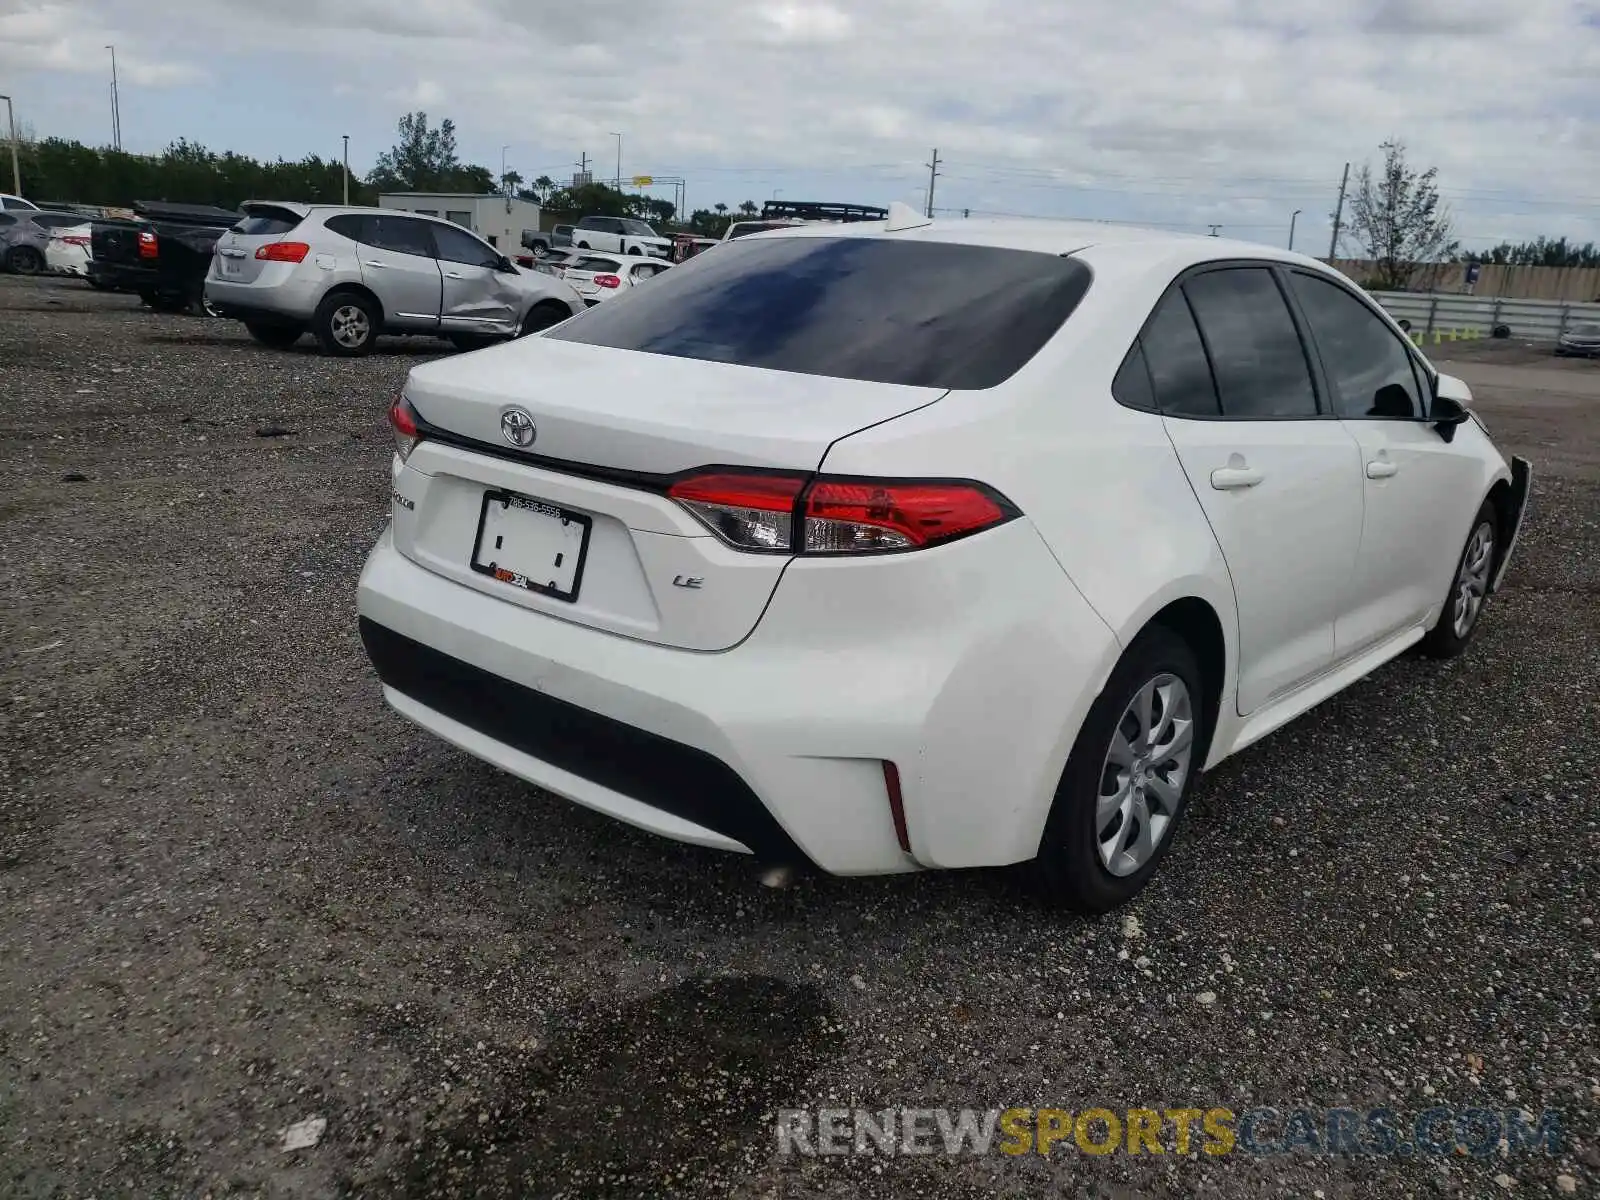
{"x": 666, "y": 775}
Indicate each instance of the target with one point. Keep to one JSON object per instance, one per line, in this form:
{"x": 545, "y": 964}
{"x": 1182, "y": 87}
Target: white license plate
{"x": 230, "y": 267}
{"x": 530, "y": 544}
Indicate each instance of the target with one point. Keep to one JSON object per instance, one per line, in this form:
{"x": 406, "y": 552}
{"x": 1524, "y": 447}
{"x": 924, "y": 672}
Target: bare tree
{"x": 1397, "y": 218}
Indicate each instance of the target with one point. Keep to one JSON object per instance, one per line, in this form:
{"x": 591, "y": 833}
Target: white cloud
{"x": 1238, "y": 111}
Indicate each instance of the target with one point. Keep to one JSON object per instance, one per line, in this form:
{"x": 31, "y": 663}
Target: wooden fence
{"x": 1578, "y": 285}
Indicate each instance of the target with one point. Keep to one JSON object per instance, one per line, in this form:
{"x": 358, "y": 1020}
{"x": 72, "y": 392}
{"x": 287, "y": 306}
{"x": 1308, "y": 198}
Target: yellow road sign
{"x": 642, "y": 180}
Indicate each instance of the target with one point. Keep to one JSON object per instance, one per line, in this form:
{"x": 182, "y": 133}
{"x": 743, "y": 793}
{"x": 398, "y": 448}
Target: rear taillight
{"x": 73, "y": 239}
{"x": 747, "y": 510}
{"x": 404, "y": 419}
{"x": 833, "y": 515}
{"x": 147, "y": 244}
{"x": 289, "y": 252}
{"x": 608, "y": 281}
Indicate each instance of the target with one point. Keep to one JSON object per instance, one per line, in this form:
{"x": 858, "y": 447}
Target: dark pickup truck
{"x": 163, "y": 253}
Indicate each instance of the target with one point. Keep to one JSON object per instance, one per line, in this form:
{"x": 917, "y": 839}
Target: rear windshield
{"x": 261, "y": 221}
{"x": 927, "y": 314}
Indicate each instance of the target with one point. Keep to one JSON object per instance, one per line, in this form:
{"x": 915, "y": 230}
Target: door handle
{"x": 454, "y": 275}
{"x": 372, "y": 262}
{"x": 1382, "y": 468}
{"x": 1229, "y": 479}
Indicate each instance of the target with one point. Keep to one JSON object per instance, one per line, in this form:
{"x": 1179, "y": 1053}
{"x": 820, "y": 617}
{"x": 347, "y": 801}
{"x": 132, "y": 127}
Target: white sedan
{"x": 598, "y": 277}
{"x": 908, "y": 545}
{"x": 67, "y": 250}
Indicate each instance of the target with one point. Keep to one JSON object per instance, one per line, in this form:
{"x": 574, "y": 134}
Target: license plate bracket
{"x": 531, "y": 544}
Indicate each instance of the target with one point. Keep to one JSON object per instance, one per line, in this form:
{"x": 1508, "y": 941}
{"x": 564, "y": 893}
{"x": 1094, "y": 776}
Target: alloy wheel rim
{"x": 1145, "y": 770}
{"x": 1472, "y": 581}
{"x": 350, "y": 325}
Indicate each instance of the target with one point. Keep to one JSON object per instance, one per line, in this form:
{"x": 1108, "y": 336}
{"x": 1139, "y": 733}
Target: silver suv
{"x": 348, "y": 274}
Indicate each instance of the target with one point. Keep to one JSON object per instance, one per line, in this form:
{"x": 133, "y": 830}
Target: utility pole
{"x": 16, "y": 171}
{"x": 1216, "y": 230}
{"x": 116, "y": 107}
{"x": 583, "y": 166}
{"x": 933, "y": 173}
{"x": 618, "y": 136}
{"x": 1338, "y": 214}
{"x": 1293, "y": 217}
{"x": 347, "y": 170}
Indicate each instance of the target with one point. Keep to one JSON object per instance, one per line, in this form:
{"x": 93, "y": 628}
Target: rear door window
{"x": 403, "y": 235}
{"x": 925, "y": 314}
{"x": 1373, "y": 374}
{"x": 1256, "y": 355}
{"x": 1180, "y": 373}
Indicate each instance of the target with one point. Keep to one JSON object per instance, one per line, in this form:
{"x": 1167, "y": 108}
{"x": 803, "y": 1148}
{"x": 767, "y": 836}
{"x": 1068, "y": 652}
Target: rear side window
{"x": 266, "y": 221}
{"x": 1372, "y": 374}
{"x": 1256, "y": 356}
{"x": 925, "y": 314}
{"x": 594, "y": 264}
{"x": 346, "y": 225}
{"x": 1132, "y": 386}
{"x": 1179, "y": 372}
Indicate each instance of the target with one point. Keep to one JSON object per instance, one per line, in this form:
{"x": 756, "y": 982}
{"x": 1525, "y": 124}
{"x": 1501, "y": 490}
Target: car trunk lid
{"x": 262, "y": 225}
{"x": 579, "y": 518}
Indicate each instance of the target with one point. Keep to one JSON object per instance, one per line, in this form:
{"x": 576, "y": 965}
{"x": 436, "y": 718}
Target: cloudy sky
{"x": 1181, "y": 112}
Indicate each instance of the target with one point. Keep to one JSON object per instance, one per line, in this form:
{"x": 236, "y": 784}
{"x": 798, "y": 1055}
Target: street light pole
{"x": 16, "y": 171}
{"x": 1294, "y": 216}
{"x": 347, "y": 170}
{"x": 618, "y": 180}
{"x": 116, "y": 106}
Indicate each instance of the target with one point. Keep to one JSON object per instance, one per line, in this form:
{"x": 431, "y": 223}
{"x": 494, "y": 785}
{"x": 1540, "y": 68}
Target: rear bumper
{"x": 123, "y": 277}
{"x": 777, "y": 745}
{"x": 289, "y": 301}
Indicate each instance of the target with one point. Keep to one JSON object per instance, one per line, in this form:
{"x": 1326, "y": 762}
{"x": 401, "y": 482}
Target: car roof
{"x": 1053, "y": 237}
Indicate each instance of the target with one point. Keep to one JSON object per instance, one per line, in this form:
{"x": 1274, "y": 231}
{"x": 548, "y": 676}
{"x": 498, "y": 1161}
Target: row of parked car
{"x": 345, "y": 275}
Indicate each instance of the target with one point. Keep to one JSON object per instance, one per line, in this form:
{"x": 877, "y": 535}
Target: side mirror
{"x": 1446, "y": 415}
{"x": 506, "y": 265}
{"x": 1448, "y": 387}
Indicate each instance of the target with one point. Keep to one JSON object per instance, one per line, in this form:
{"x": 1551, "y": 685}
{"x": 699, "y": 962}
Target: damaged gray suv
{"x": 346, "y": 275}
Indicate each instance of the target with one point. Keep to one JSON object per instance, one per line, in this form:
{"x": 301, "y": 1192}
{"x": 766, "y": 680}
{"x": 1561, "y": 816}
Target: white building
{"x": 499, "y": 220}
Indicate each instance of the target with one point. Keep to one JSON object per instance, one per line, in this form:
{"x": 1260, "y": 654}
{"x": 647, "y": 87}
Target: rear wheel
{"x": 279, "y": 337}
{"x": 24, "y": 260}
{"x": 1128, "y": 777}
{"x": 1468, "y": 590}
{"x": 346, "y": 324}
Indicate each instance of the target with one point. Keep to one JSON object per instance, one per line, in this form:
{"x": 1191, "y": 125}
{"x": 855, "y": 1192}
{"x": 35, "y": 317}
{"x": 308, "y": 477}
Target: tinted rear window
{"x": 926, "y": 314}
{"x": 262, "y": 221}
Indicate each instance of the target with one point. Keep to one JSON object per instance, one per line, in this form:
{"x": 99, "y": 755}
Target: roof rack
{"x": 811, "y": 210}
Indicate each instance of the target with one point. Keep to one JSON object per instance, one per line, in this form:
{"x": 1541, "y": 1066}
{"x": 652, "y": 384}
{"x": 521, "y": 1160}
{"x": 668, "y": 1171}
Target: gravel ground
{"x": 237, "y": 893}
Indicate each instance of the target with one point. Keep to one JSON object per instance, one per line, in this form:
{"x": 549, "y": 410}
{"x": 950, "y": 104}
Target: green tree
{"x": 748, "y": 208}
{"x": 425, "y": 160}
{"x": 1541, "y": 252}
{"x": 1397, "y": 218}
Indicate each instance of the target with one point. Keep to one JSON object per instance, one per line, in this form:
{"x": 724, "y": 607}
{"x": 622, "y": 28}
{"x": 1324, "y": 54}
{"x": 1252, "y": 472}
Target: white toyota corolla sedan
{"x": 914, "y": 544}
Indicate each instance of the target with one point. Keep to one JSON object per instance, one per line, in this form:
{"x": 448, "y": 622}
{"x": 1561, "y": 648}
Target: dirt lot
{"x": 236, "y": 892}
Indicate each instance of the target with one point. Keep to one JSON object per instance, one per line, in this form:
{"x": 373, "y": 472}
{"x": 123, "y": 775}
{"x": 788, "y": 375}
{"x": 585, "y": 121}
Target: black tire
{"x": 636, "y": 251}
{"x": 1501, "y": 332}
{"x": 279, "y": 337}
{"x": 1068, "y": 870}
{"x": 24, "y": 260}
{"x": 543, "y": 316}
{"x": 1404, "y": 324}
{"x": 1448, "y": 638}
{"x": 165, "y": 302}
{"x": 540, "y": 250}
{"x": 337, "y": 328}
{"x": 583, "y": 245}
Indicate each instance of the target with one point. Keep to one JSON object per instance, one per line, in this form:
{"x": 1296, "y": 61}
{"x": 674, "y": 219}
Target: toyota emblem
{"x": 518, "y": 427}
